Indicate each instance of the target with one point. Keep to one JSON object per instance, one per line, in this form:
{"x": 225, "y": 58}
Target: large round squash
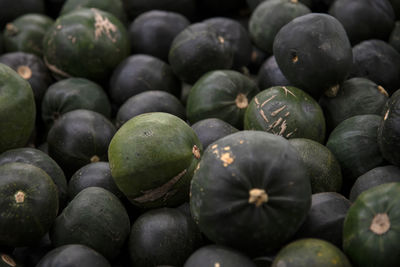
{"x": 251, "y": 191}
{"x": 152, "y": 159}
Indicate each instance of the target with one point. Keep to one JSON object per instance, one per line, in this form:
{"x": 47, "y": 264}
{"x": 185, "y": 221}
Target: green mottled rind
{"x": 180, "y": 238}
{"x": 211, "y": 254}
{"x": 300, "y": 117}
{"x": 269, "y": 17}
{"x": 370, "y": 100}
{"x": 23, "y": 224}
{"x": 95, "y": 218}
{"x": 72, "y": 39}
{"x": 114, "y": 7}
{"x": 43, "y": 161}
{"x": 311, "y": 252}
{"x": 26, "y": 33}
{"x": 148, "y": 151}
{"x": 73, "y": 93}
{"x": 323, "y": 167}
{"x": 17, "y": 109}
{"x": 354, "y": 144}
{"x": 364, "y": 247}
{"x": 73, "y": 255}
{"x": 228, "y": 170}
{"x": 214, "y": 96}
{"x": 78, "y": 136}
{"x": 389, "y": 130}
{"x": 197, "y": 50}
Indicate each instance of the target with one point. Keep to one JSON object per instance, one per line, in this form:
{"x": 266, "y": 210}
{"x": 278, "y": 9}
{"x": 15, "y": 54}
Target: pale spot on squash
{"x": 25, "y": 72}
{"x": 294, "y": 1}
{"x": 227, "y": 148}
{"x": 332, "y": 91}
{"x": 227, "y": 159}
{"x": 103, "y": 26}
{"x": 59, "y": 27}
{"x": 214, "y": 146}
{"x": 196, "y": 152}
{"x": 217, "y": 264}
{"x": 241, "y": 101}
{"x": 20, "y": 197}
{"x": 7, "y": 259}
{"x": 95, "y": 158}
{"x": 382, "y": 91}
{"x": 386, "y": 115}
{"x": 11, "y": 29}
{"x": 221, "y": 39}
{"x": 241, "y": 141}
{"x": 380, "y": 224}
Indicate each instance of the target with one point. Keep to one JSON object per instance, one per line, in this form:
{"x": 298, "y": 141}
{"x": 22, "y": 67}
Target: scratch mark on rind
{"x": 266, "y": 101}
{"x": 263, "y": 116}
{"x": 274, "y": 113}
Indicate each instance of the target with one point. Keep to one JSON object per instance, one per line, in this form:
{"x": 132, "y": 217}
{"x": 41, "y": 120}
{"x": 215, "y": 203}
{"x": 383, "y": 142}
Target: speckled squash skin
{"x": 251, "y": 191}
{"x": 311, "y": 252}
{"x": 286, "y": 111}
{"x": 73, "y": 256}
{"x": 371, "y": 226}
{"x": 17, "y": 109}
{"x": 222, "y": 94}
{"x": 152, "y": 159}
{"x": 95, "y": 218}
{"x": 29, "y": 203}
{"x": 94, "y": 38}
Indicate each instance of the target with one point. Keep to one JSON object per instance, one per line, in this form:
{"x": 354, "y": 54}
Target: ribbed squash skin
{"x": 152, "y": 159}
{"x": 286, "y": 111}
{"x": 29, "y": 204}
{"x": 73, "y": 256}
{"x": 222, "y": 94}
{"x": 94, "y": 38}
{"x": 371, "y": 231}
{"x": 17, "y": 109}
{"x": 251, "y": 191}
{"x": 210, "y": 255}
{"x": 311, "y": 252}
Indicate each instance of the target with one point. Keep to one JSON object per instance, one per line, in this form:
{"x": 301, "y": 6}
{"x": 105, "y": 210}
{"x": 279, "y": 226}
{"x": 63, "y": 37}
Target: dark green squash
{"x": 364, "y": 20}
{"x": 114, "y": 7}
{"x": 70, "y": 40}
{"x": 222, "y": 94}
{"x": 152, "y": 159}
{"x": 71, "y": 94}
{"x": 95, "y": 218}
{"x": 389, "y": 130}
{"x": 374, "y": 177}
{"x": 163, "y": 236}
{"x": 311, "y": 252}
{"x": 150, "y": 101}
{"x": 235, "y": 34}
{"x": 370, "y": 99}
{"x": 286, "y": 111}
{"x": 141, "y": 73}
{"x": 153, "y": 31}
{"x": 32, "y": 69}
{"x": 29, "y": 204}
{"x": 251, "y": 191}
{"x": 26, "y": 33}
{"x": 323, "y": 167}
{"x": 79, "y": 137}
{"x": 212, "y": 129}
{"x": 74, "y": 255}
{"x": 215, "y": 255}
{"x": 252, "y": 4}
{"x": 270, "y": 75}
{"x": 378, "y": 61}
{"x": 96, "y": 174}
{"x": 371, "y": 227}
{"x": 355, "y": 145}
{"x": 313, "y": 52}
{"x": 197, "y": 49}
{"x": 11, "y": 10}
{"x": 17, "y": 109}
{"x": 43, "y": 161}
{"x": 136, "y": 7}
{"x": 269, "y": 17}
{"x": 325, "y": 218}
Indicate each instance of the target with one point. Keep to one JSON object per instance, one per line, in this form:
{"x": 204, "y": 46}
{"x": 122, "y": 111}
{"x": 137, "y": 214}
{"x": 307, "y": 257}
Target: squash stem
{"x": 380, "y": 224}
{"x": 258, "y": 196}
